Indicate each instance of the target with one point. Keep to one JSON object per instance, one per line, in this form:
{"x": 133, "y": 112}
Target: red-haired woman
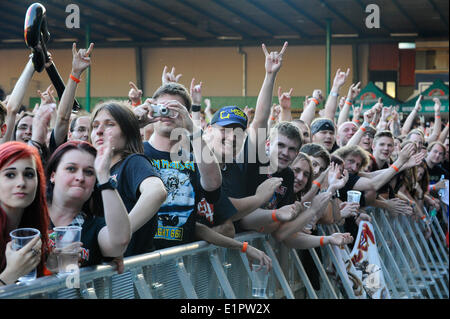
{"x": 22, "y": 204}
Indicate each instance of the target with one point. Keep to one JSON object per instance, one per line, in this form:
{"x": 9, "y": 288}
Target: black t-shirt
{"x": 129, "y": 174}
{"x": 350, "y": 224}
{"x": 386, "y": 188}
{"x": 436, "y": 172}
{"x": 90, "y": 227}
{"x": 254, "y": 176}
{"x": 215, "y": 214}
{"x": 177, "y": 215}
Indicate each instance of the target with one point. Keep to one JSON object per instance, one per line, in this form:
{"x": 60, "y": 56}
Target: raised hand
{"x": 275, "y": 111}
{"x": 81, "y": 59}
{"x": 336, "y": 180}
{"x": 317, "y": 94}
{"x": 340, "y": 78}
{"x": 414, "y": 160}
{"x": 273, "y": 59}
{"x": 143, "y": 113}
{"x": 385, "y": 113}
{"x": 170, "y": 76}
{"x": 406, "y": 152}
{"x": 353, "y": 91}
{"x": 285, "y": 98}
{"x": 103, "y": 159}
{"x": 47, "y": 96}
{"x": 418, "y": 105}
{"x": 196, "y": 92}
{"x": 267, "y": 188}
{"x": 357, "y": 112}
{"x": 437, "y": 105}
{"x": 134, "y": 94}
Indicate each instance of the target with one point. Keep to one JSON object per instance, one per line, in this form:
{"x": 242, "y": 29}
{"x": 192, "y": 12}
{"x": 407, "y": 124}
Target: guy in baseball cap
{"x": 322, "y": 132}
{"x": 225, "y": 132}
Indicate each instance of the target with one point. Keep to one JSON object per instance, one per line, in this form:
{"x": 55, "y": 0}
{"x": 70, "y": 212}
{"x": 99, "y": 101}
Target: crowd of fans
{"x": 147, "y": 174}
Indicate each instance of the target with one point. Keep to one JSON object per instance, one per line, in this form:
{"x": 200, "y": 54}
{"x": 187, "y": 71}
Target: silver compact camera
{"x": 159, "y": 110}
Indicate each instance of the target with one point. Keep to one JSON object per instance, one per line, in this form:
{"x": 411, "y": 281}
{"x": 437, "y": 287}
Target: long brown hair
{"x": 36, "y": 214}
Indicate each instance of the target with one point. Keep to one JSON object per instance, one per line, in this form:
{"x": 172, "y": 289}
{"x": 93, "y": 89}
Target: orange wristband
{"x": 356, "y": 120}
{"x": 244, "y": 247}
{"x": 348, "y": 102}
{"x": 317, "y": 183}
{"x": 272, "y": 118}
{"x": 437, "y": 116}
{"x": 423, "y": 217}
{"x": 274, "y": 215}
{"x": 363, "y": 129}
{"x": 136, "y": 104}
{"x": 321, "y": 241}
{"x": 74, "y": 78}
{"x": 372, "y": 123}
{"x": 315, "y": 101}
{"x": 395, "y": 167}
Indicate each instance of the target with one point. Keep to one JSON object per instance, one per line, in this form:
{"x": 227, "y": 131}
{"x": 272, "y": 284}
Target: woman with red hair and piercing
{"x": 22, "y": 204}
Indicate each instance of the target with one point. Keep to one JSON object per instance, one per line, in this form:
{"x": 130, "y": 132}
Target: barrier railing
{"x": 413, "y": 267}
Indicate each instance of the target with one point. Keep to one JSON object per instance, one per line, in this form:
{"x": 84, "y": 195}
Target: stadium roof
{"x": 160, "y": 23}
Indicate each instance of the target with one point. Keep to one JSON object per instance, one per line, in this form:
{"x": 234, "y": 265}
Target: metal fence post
{"x": 387, "y": 251}
{"x": 302, "y": 273}
{"x": 278, "y": 272}
{"x": 221, "y": 276}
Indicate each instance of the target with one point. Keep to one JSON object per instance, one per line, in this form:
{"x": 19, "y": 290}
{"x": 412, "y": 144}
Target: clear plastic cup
{"x": 66, "y": 237}
{"x": 260, "y": 278}
{"x": 19, "y": 238}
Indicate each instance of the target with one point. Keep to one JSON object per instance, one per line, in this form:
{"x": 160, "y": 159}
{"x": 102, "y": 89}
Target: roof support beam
{"x": 216, "y": 18}
{"x": 243, "y": 17}
{"x": 433, "y": 4}
{"x": 185, "y": 19}
{"x": 296, "y": 8}
{"x": 156, "y": 20}
{"x": 405, "y": 14}
{"x": 280, "y": 19}
{"x": 334, "y": 11}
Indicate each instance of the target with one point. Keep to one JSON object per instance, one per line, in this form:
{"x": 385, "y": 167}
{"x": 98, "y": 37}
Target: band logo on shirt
{"x": 181, "y": 166}
{"x": 169, "y": 233}
{"x": 206, "y": 209}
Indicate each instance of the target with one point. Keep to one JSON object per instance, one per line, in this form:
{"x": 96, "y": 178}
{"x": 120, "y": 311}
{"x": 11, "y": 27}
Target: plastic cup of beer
{"x": 353, "y": 196}
{"x": 19, "y": 238}
{"x": 66, "y": 241}
{"x": 260, "y": 278}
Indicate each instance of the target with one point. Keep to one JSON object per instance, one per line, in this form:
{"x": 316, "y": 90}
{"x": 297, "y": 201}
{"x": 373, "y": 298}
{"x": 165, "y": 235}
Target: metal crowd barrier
{"x": 413, "y": 267}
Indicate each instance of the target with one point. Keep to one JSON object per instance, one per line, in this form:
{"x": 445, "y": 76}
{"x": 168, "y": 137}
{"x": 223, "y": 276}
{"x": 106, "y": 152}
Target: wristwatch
{"x": 196, "y": 107}
{"x": 110, "y": 184}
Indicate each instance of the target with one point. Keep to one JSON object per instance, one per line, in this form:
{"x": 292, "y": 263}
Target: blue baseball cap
{"x": 230, "y": 115}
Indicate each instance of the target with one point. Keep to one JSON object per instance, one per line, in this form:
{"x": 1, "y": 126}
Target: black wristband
{"x": 196, "y": 107}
